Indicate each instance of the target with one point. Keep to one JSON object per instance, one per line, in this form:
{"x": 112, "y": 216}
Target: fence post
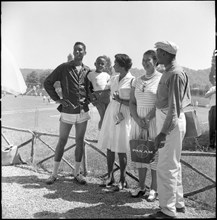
{"x": 7, "y": 141}
{"x": 32, "y": 148}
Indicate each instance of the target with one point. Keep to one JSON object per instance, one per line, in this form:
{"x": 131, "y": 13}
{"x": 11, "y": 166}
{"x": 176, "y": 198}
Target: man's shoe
{"x": 161, "y": 215}
{"x": 180, "y": 209}
{"x": 51, "y": 180}
{"x": 80, "y": 179}
{"x": 138, "y": 192}
{"x": 152, "y": 196}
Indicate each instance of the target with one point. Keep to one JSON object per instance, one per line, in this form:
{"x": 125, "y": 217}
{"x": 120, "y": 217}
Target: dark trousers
{"x": 212, "y": 126}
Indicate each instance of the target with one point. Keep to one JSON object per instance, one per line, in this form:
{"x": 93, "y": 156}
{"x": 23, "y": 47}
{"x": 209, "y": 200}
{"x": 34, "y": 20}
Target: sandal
{"x": 51, "y": 180}
{"x": 107, "y": 182}
{"x": 138, "y": 192}
{"x": 120, "y": 187}
{"x": 80, "y": 179}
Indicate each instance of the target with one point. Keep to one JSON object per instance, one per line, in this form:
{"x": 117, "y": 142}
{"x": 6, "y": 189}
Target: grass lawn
{"x": 32, "y": 113}
{"x": 202, "y": 101}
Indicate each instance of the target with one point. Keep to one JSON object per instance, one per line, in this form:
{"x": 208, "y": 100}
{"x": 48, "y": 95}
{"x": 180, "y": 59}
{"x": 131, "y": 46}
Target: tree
{"x": 69, "y": 57}
{"x": 213, "y": 68}
{"x": 32, "y": 78}
{"x": 42, "y": 77}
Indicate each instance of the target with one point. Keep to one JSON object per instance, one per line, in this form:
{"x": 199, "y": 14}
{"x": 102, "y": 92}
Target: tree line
{"x": 200, "y": 80}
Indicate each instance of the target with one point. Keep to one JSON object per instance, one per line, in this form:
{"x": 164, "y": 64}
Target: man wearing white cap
{"x": 173, "y": 94}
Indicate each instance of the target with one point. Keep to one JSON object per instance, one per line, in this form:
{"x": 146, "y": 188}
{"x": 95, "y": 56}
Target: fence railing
{"x": 37, "y": 135}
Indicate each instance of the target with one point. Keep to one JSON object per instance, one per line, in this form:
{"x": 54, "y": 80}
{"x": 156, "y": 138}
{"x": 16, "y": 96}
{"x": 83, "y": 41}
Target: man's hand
{"x": 65, "y": 103}
{"x": 159, "y": 140}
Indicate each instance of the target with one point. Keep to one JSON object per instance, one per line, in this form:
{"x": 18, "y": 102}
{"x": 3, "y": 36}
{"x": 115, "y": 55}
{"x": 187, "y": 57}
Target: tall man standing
{"x": 73, "y": 106}
{"x": 173, "y": 94}
{"x": 211, "y": 94}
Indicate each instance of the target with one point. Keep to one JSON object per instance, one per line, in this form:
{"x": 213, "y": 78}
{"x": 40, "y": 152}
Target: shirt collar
{"x": 72, "y": 63}
{"x": 171, "y": 66}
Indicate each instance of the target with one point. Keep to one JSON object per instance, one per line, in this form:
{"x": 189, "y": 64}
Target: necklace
{"x": 144, "y": 82}
{"x": 150, "y": 76}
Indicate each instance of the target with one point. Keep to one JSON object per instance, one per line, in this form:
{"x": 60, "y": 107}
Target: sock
{"x": 77, "y": 168}
{"x": 55, "y": 168}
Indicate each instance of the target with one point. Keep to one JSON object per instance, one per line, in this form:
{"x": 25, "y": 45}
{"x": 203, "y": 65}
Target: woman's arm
{"x": 121, "y": 101}
{"x": 133, "y": 110}
{"x": 210, "y": 92}
{"x": 133, "y": 105}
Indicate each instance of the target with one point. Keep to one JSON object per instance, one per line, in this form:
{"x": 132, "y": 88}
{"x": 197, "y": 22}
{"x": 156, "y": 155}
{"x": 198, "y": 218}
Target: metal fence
{"x": 90, "y": 143}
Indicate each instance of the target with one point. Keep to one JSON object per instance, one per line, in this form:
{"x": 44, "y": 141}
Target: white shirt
{"x": 212, "y": 98}
{"x": 99, "y": 80}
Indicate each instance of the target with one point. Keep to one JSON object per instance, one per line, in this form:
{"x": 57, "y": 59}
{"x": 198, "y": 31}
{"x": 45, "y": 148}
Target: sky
{"x": 41, "y": 34}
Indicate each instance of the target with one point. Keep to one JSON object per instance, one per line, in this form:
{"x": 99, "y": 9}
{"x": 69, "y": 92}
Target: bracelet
{"x": 148, "y": 120}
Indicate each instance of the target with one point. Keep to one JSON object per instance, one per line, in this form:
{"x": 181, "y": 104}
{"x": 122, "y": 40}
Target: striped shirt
{"x": 173, "y": 95}
{"x": 145, "y": 94}
{"x": 145, "y": 90}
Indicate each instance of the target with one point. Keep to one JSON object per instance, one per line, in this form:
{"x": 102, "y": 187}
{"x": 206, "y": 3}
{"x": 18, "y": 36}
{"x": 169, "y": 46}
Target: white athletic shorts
{"x": 74, "y": 118}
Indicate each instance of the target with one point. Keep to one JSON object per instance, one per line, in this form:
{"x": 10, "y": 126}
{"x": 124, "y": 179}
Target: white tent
{"x": 12, "y": 80}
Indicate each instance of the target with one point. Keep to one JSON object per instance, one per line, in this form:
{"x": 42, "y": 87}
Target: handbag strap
{"x": 120, "y": 107}
{"x": 140, "y": 135}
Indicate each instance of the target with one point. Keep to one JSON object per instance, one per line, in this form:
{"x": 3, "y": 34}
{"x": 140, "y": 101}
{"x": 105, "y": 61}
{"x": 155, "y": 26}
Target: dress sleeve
{"x": 134, "y": 82}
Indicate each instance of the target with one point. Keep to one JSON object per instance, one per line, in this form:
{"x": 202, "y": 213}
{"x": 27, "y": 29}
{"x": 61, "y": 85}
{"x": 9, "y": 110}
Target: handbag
{"x": 142, "y": 150}
{"x": 119, "y": 116}
{"x": 10, "y": 156}
{"x": 193, "y": 128}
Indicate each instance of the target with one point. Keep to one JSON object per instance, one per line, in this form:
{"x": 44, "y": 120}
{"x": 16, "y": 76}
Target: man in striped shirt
{"x": 173, "y": 94}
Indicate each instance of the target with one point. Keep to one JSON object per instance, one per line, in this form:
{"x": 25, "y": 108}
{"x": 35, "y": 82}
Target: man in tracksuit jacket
{"x": 73, "y": 106}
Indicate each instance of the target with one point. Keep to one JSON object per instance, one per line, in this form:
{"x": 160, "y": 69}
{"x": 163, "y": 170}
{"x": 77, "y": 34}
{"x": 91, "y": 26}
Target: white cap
{"x": 167, "y": 46}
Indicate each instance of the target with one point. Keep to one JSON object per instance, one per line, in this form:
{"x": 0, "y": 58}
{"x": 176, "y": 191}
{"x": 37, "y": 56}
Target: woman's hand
{"x": 142, "y": 123}
{"x": 116, "y": 96}
{"x": 147, "y": 122}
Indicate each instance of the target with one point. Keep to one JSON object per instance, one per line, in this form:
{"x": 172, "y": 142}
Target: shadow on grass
{"x": 89, "y": 201}
{"x": 201, "y": 143}
{"x": 86, "y": 201}
{"x": 101, "y": 211}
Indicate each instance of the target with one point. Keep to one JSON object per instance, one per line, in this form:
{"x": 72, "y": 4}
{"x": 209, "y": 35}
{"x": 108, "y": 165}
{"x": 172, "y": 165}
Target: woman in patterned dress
{"x": 142, "y": 109}
{"x": 114, "y": 134}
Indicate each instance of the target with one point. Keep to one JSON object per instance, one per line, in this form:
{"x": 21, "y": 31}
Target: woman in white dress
{"x": 114, "y": 134}
{"x": 142, "y": 108}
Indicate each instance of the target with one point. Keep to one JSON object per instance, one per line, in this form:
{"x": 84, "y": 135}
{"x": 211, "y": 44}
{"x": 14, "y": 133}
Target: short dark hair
{"x": 102, "y": 57}
{"x": 80, "y": 43}
{"x": 152, "y": 53}
{"x": 124, "y": 61}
